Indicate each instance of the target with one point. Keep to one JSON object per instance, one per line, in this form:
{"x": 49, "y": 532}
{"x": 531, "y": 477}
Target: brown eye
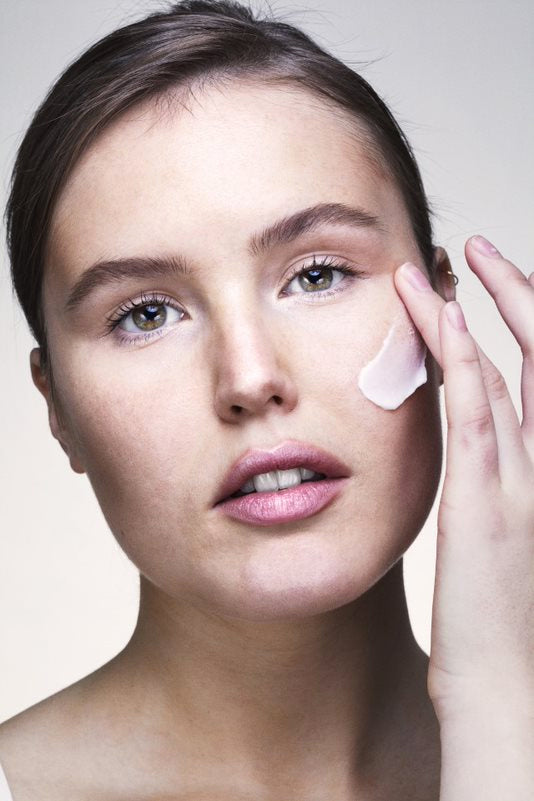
{"x": 319, "y": 278}
{"x": 149, "y": 317}
{"x": 153, "y": 314}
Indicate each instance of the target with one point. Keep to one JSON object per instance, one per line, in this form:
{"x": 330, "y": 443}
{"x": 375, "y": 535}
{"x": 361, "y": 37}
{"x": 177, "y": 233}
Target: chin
{"x": 297, "y": 580}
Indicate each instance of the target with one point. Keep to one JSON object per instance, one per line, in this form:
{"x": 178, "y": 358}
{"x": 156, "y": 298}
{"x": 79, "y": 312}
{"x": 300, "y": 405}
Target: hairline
{"x": 171, "y": 100}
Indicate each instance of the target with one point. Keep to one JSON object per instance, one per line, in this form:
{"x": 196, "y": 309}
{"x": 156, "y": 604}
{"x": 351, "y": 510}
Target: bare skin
{"x": 267, "y": 663}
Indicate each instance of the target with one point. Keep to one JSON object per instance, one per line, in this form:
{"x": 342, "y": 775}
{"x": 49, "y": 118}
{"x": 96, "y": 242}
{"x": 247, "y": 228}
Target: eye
{"x": 148, "y": 316}
{"x": 318, "y": 277}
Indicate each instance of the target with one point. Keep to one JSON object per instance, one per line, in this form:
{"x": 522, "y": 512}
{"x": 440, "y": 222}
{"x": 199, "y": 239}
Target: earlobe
{"x": 445, "y": 278}
{"x": 41, "y": 379}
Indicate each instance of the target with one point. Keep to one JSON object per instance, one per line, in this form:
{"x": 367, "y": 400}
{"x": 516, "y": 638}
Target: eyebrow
{"x": 283, "y": 231}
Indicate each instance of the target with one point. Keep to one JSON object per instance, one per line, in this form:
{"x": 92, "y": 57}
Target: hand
{"x": 482, "y": 641}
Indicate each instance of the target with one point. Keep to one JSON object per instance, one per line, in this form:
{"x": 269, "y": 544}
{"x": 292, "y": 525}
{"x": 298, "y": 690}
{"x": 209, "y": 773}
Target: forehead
{"x": 234, "y": 156}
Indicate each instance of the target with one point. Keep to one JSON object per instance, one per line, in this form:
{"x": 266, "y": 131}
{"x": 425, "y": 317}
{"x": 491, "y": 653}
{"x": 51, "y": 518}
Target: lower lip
{"x": 283, "y": 506}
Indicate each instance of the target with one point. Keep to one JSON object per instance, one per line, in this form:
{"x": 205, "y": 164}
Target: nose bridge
{"x": 249, "y": 358}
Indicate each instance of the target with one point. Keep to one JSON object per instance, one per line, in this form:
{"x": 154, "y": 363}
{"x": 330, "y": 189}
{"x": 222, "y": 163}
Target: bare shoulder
{"x": 48, "y": 751}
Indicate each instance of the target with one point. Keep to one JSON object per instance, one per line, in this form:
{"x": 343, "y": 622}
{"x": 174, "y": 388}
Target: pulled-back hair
{"x": 192, "y": 41}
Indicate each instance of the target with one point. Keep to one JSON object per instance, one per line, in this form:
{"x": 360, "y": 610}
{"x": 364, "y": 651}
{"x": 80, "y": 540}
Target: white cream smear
{"x": 398, "y": 369}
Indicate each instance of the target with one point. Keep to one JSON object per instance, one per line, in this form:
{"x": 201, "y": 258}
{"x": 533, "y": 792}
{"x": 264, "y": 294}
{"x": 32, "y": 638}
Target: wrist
{"x": 486, "y": 700}
{"x": 487, "y": 754}
{"x": 493, "y": 722}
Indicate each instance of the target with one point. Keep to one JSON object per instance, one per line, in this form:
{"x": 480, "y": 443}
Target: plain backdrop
{"x": 458, "y": 76}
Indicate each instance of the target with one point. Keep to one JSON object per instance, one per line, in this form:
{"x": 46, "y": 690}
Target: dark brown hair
{"x": 192, "y": 41}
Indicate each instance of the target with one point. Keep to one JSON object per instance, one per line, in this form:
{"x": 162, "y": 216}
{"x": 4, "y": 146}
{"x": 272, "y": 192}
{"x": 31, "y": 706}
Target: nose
{"x": 252, "y": 371}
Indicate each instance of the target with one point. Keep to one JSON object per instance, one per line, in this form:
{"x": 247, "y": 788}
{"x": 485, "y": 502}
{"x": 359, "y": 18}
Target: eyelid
{"x": 334, "y": 263}
{"x": 145, "y": 299}
{"x": 327, "y": 261}
{"x": 154, "y": 297}
{"x": 127, "y": 306}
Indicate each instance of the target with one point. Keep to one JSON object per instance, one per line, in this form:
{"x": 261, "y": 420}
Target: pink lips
{"x": 266, "y": 508}
{"x": 283, "y": 506}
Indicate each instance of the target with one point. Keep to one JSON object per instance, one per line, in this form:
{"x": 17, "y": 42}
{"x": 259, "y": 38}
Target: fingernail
{"x": 455, "y": 315}
{"x": 485, "y": 247}
{"x": 414, "y": 276}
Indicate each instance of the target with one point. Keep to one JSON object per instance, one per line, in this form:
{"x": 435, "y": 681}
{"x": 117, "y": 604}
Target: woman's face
{"x": 150, "y": 413}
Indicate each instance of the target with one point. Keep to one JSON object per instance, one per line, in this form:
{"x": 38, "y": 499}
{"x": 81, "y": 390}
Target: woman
{"x": 263, "y": 457}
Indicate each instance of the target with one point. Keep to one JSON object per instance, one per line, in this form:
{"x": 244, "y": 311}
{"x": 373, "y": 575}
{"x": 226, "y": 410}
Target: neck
{"x": 321, "y": 701}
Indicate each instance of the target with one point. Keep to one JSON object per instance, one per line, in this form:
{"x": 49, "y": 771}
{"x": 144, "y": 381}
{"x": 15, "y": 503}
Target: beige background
{"x": 459, "y": 78}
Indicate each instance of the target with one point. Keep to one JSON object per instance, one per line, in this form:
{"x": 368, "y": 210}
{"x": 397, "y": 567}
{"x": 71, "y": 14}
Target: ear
{"x": 445, "y": 285}
{"x": 41, "y": 379}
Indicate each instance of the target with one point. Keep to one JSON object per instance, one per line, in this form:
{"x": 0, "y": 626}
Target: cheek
{"x": 137, "y": 434}
{"x": 345, "y": 357}
{"x": 382, "y": 404}
{"x": 372, "y": 390}
{"x": 398, "y": 369}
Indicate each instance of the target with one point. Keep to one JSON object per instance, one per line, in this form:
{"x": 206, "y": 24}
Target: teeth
{"x": 265, "y": 482}
{"x": 277, "y": 479}
{"x": 248, "y": 487}
{"x": 289, "y": 478}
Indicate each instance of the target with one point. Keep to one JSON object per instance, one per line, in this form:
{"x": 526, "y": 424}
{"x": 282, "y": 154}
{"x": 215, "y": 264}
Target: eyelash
{"x": 156, "y": 299}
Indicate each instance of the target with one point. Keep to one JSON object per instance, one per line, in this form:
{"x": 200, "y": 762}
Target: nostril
{"x": 235, "y": 409}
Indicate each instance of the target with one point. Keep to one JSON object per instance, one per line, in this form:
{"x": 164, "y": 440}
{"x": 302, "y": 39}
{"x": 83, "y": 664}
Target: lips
{"x": 285, "y": 456}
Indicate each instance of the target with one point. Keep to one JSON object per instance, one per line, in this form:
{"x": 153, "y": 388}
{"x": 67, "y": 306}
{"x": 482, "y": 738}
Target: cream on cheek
{"x": 398, "y": 368}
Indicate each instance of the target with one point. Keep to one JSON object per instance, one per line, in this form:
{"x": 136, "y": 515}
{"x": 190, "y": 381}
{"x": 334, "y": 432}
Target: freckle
{"x": 398, "y": 368}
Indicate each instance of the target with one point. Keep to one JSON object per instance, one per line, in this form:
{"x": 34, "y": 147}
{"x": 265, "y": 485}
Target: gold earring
{"x": 454, "y": 277}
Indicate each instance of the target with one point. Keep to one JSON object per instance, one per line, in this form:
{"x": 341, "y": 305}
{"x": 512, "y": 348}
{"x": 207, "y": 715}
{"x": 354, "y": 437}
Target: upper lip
{"x": 283, "y": 457}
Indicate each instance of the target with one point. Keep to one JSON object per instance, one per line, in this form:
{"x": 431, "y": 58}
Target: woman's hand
{"x": 482, "y": 642}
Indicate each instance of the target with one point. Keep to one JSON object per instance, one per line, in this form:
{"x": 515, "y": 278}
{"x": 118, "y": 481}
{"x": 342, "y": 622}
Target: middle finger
{"x": 424, "y": 306}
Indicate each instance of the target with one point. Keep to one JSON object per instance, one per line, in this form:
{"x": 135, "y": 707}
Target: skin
{"x": 311, "y": 679}
{"x": 481, "y": 669}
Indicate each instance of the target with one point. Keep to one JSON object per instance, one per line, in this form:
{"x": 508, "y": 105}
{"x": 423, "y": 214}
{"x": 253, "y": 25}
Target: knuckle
{"x": 494, "y": 382}
{"x": 479, "y": 423}
{"x": 477, "y": 428}
{"x": 470, "y": 360}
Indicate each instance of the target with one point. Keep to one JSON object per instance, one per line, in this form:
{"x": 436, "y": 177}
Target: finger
{"x": 424, "y": 306}
{"x": 513, "y": 294}
{"x": 472, "y": 449}
{"x": 514, "y": 459}
{"x": 422, "y": 303}
{"x": 507, "y": 285}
